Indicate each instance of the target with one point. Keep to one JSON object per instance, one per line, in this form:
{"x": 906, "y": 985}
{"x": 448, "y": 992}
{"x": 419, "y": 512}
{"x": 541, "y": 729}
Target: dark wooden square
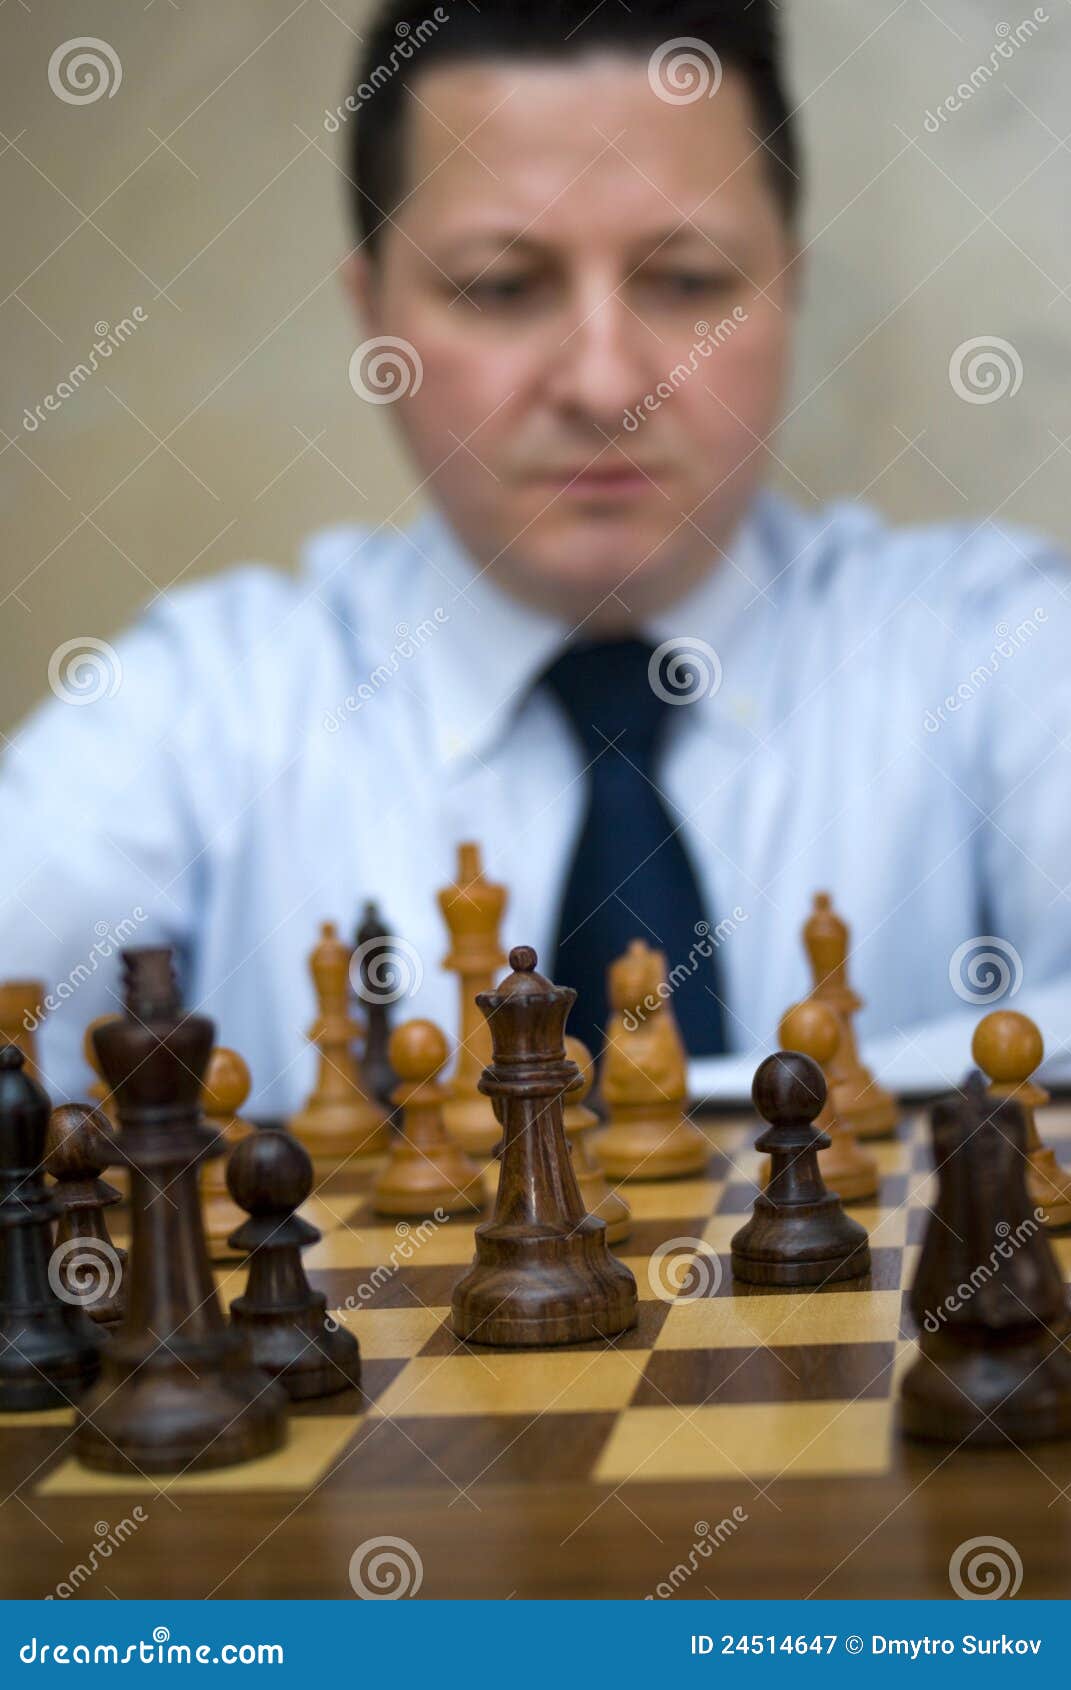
{"x": 454, "y": 1450}
{"x": 783, "y": 1373}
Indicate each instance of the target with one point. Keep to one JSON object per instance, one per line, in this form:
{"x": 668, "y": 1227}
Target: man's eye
{"x": 688, "y": 284}
{"x": 504, "y": 290}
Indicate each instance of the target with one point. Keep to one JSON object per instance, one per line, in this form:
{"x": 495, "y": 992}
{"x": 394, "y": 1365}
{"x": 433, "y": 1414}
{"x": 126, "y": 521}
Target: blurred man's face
{"x": 597, "y": 285}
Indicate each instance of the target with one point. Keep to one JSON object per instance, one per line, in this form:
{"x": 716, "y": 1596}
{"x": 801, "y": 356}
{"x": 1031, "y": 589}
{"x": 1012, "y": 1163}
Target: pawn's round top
{"x": 227, "y": 1082}
{"x": 269, "y": 1173}
{"x": 76, "y": 1146}
{"x": 577, "y": 1051}
{"x": 788, "y": 1087}
{"x": 18, "y": 1088}
{"x": 417, "y": 1050}
{"x": 11, "y": 1057}
{"x": 1008, "y": 1046}
{"x": 813, "y": 1028}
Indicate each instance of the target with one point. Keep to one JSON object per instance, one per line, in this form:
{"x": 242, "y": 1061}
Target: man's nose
{"x": 603, "y": 362}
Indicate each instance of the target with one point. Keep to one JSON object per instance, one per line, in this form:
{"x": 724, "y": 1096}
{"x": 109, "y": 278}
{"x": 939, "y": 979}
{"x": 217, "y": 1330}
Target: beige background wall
{"x": 207, "y": 193}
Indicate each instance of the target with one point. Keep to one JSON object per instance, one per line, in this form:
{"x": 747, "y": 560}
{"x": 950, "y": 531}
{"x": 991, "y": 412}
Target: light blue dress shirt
{"x": 883, "y": 713}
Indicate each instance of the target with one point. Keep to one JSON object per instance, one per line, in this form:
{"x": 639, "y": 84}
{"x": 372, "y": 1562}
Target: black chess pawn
{"x": 988, "y": 1296}
{"x": 78, "y": 1147}
{"x": 178, "y": 1391}
{"x": 49, "y": 1348}
{"x": 798, "y": 1233}
{"x": 377, "y": 1074}
{"x": 269, "y": 1175}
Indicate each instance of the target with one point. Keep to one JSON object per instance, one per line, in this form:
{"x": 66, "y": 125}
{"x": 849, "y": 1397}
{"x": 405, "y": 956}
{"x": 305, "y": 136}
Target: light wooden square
{"x": 797, "y": 1317}
{"x": 562, "y": 1382}
{"x": 39, "y": 1417}
{"x": 651, "y": 1201}
{"x": 312, "y": 1444}
{"x": 403, "y": 1244}
{"x": 892, "y": 1155}
{"x": 719, "y": 1231}
{"x": 906, "y": 1355}
{"x": 761, "y": 1440}
{"x": 885, "y": 1226}
{"x": 385, "y": 1334}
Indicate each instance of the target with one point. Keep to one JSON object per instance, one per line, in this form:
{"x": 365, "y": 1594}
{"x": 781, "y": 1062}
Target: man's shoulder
{"x": 848, "y": 561}
{"x": 341, "y": 574}
{"x": 848, "y": 550}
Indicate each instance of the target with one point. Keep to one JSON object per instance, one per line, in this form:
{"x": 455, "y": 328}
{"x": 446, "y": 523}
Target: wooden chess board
{"x": 759, "y": 1424}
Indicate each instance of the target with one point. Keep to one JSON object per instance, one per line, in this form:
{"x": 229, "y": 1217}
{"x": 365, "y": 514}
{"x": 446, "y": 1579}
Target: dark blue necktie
{"x": 630, "y": 876}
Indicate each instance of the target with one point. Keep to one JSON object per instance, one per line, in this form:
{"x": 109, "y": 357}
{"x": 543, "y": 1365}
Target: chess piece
{"x": 1009, "y": 1046}
{"x": 227, "y": 1085}
{"x": 798, "y": 1233}
{"x": 98, "y": 1092}
{"x": 580, "y": 1123}
{"x": 78, "y": 1147}
{"x": 49, "y": 1348}
{"x": 859, "y": 1102}
{"x": 543, "y": 1273}
{"x": 269, "y": 1175}
{"x": 376, "y": 995}
{"x": 101, "y": 1098}
{"x": 988, "y": 1296}
{"x": 338, "y": 1121}
{"x": 178, "y": 1391}
{"x": 426, "y": 1170}
{"x": 644, "y": 1077}
{"x": 848, "y": 1170}
{"x": 21, "y": 1013}
{"x": 472, "y": 908}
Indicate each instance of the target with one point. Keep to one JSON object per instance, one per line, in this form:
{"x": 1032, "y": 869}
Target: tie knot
{"x": 605, "y": 690}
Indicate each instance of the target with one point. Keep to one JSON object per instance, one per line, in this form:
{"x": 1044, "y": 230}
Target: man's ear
{"x": 359, "y": 282}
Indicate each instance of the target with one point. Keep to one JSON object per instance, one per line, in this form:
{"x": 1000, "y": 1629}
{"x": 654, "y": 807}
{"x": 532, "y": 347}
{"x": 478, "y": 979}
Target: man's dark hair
{"x": 406, "y": 41}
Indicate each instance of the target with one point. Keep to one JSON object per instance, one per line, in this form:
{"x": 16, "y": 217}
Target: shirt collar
{"x": 492, "y": 650}
{"x": 479, "y": 651}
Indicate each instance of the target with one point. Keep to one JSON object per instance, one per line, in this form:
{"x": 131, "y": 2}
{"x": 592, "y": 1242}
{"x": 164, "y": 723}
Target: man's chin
{"x": 608, "y": 579}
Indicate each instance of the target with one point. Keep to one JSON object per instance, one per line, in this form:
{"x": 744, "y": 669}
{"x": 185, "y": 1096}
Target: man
{"x": 667, "y": 703}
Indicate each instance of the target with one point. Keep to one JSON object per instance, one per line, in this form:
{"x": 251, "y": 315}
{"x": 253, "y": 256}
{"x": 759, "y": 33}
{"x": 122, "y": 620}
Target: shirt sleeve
{"x": 1001, "y": 730}
{"x": 100, "y": 845}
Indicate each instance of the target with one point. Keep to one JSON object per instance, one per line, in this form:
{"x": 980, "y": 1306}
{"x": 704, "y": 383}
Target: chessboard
{"x": 738, "y": 1442}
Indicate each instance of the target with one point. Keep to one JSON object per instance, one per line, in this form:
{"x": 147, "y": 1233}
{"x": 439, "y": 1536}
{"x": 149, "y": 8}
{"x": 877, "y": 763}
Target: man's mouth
{"x": 594, "y": 480}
